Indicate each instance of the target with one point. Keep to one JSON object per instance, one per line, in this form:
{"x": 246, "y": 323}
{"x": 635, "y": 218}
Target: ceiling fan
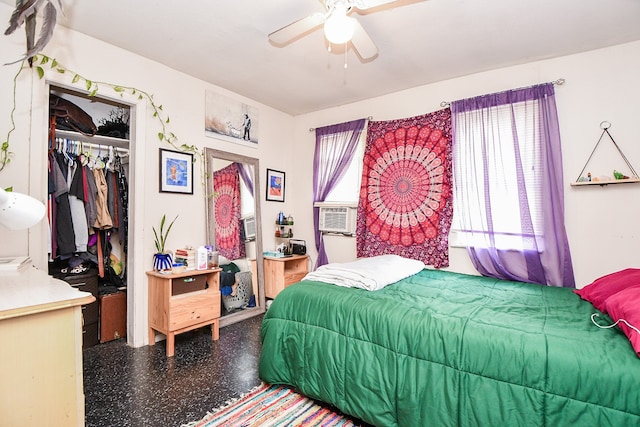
{"x": 339, "y": 28}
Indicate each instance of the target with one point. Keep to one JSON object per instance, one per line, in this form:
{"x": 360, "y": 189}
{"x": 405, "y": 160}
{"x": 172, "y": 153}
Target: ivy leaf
{"x": 88, "y": 84}
{"x": 160, "y": 136}
{"x": 75, "y": 79}
{"x": 118, "y": 88}
{"x": 54, "y": 63}
{"x": 40, "y": 72}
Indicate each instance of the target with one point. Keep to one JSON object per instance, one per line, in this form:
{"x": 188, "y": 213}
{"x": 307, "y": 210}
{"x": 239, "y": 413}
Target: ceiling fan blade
{"x": 297, "y": 29}
{"x": 368, "y": 4}
{"x": 362, "y": 43}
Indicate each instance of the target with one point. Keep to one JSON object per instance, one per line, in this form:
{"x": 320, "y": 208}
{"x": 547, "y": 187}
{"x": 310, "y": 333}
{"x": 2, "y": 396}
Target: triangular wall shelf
{"x": 581, "y": 181}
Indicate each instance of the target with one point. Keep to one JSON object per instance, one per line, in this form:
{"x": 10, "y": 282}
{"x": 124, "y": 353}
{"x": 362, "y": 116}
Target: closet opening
{"x": 88, "y": 205}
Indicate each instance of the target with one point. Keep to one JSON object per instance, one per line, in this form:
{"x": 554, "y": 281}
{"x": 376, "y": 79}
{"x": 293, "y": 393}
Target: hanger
{"x": 109, "y": 158}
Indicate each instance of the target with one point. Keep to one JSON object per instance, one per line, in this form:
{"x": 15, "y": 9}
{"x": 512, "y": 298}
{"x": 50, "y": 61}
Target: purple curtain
{"x": 512, "y": 139}
{"x": 335, "y": 147}
{"x": 246, "y": 173}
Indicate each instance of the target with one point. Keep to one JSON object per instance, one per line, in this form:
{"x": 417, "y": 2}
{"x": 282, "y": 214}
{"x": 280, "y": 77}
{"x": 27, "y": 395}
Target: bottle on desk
{"x": 201, "y": 258}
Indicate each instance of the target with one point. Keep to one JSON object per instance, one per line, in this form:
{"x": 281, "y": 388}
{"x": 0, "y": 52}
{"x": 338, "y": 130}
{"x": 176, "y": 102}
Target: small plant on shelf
{"x": 162, "y": 260}
{"x": 161, "y": 236}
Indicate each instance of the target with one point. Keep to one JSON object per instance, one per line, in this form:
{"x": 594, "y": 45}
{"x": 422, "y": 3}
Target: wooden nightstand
{"x": 180, "y": 302}
{"x": 282, "y": 272}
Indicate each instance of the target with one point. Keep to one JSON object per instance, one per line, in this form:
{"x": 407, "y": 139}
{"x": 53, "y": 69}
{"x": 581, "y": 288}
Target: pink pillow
{"x": 624, "y": 308}
{"x": 604, "y": 287}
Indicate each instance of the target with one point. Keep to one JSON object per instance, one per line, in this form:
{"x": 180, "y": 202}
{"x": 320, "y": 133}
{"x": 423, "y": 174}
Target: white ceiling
{"x": 225, "y": 42}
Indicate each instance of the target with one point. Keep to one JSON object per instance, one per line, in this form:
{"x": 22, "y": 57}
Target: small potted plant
{"x": 161, "y": 259}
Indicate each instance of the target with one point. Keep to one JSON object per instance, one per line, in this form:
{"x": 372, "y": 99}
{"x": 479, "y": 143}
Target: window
{"x": 492, "y": 191}
{"x": 336, "y": 147}
{"x": 347, "y": 190}
{"x": 246, "y": 200}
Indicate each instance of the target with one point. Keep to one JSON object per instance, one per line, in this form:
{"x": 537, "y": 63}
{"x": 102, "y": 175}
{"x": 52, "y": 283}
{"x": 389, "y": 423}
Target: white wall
{"x": 602, "y": 222}
{"x": 182, "y": 98}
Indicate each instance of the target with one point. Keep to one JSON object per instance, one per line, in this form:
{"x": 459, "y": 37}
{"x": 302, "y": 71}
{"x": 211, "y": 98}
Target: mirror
{"x": 234, "y": 230}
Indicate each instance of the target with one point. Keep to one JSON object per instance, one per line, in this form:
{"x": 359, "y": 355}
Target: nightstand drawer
{"x": 292, "y": 278}
{"x": 84, "y": 282}
{"x": 90, "y": 312}
{"x": 188, "y": 284}
{"x": 194, "y": 309}
{"x": 89, "y": 335}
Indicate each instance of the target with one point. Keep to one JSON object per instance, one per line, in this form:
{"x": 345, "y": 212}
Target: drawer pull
{"x": 189, "y": 279}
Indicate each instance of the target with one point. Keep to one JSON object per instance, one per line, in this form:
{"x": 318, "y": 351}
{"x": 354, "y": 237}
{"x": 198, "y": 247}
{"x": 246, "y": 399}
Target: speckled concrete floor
{"x": 127, "y": 386}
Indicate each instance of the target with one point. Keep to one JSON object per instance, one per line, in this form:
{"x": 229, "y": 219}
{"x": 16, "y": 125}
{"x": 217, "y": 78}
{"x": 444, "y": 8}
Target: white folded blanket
{"x": 367, "y": 273}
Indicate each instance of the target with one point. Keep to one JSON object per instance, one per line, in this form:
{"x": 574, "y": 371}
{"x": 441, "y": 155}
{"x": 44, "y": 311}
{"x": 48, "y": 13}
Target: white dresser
{"x": 40, "y": 350}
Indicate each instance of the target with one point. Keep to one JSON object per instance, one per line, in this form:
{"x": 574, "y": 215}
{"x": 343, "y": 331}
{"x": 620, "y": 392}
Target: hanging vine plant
{"x": 93, "y": 87}
{"x": 25, "y": 14}
{"x": 43, "y": 63}
{"x": 5, "y": 154}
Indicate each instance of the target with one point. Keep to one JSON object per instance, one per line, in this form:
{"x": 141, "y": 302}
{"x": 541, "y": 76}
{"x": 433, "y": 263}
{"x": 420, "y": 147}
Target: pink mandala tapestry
{"x": 405, "y": 203}
{"x": 226, "y": 199}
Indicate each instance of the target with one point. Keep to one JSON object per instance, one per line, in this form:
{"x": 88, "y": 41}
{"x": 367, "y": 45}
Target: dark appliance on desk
{"x": 297, "y": 247}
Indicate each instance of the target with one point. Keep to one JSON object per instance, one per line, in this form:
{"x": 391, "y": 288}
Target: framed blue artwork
{"x": 176, "y": 172}
{"x": 275, "y": 185}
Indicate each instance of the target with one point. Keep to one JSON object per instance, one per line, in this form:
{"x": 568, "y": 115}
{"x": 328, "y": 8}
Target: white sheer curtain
{"x": 509, "y": 199}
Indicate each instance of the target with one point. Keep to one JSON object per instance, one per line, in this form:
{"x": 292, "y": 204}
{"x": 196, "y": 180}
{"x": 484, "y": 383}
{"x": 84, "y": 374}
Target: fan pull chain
{"x": 345, "y": 56}
{"x": 345, "y": 65}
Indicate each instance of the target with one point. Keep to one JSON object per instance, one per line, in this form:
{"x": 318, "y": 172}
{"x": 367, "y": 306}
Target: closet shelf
{"x": 607, "y": 182}
{"x": 96, "y": 139}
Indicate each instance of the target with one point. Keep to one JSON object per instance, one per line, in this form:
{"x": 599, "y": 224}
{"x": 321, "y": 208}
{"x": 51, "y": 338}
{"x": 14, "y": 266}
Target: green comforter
{"x": 447, "y": 349}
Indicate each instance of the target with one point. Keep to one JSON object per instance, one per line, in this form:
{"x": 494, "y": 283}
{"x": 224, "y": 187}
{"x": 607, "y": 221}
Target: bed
{"x": 447, "y": 349}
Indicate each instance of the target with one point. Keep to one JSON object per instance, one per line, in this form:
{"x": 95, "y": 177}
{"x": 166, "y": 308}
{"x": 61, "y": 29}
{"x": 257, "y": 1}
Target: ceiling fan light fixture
{"x": 339, "y": 27}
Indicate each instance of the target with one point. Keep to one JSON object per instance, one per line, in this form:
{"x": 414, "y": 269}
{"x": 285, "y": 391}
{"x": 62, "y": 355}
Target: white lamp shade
{"x": 19, "y": 211}
{"x": 339, "y": 27}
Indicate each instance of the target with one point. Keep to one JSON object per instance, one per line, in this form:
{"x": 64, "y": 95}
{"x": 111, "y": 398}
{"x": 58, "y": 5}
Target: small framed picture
{"x": 275, "y": 185}
{"x": 176, "y": 172}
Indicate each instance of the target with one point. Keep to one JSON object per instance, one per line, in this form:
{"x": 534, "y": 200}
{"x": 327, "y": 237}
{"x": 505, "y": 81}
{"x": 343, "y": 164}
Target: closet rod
{"x": 119, "y": 150}
{"x": 105, "y": 147}
{"x": 558, "y": 82}
{"x": 368, "y": 118}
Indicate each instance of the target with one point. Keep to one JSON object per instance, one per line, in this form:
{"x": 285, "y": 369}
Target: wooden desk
{"x": 41, "y": 356}
{"x": 180, "y": 302}
{"x": 282, "y": 272}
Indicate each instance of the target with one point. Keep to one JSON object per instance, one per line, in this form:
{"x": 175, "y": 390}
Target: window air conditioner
{"x": 337, "y": 218}
{"x": 249, "y": 227}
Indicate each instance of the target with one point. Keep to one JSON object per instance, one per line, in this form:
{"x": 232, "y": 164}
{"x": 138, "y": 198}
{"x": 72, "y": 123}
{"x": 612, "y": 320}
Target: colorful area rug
{"x": 270, "y": 405}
